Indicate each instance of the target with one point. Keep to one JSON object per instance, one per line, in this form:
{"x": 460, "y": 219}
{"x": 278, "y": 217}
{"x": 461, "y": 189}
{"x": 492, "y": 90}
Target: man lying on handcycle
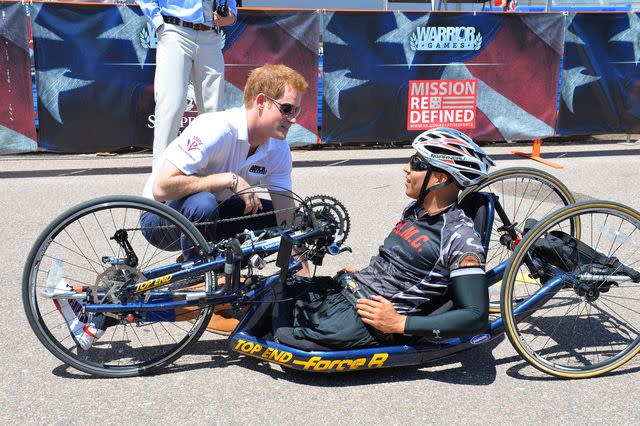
{"x": 432, "y": 255}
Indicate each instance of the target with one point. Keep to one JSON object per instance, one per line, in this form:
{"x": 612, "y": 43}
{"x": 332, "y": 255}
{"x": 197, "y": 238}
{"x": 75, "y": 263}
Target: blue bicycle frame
{"x": 247, "y": 341}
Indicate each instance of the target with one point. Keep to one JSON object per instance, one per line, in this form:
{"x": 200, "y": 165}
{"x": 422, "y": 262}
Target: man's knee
{"x": 153, "y": 230}
{"x": 200, "y": 207}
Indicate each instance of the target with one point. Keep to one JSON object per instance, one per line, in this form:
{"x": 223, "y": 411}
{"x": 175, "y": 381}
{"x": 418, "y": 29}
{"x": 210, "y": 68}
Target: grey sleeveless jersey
{"x": 417, "y": 259}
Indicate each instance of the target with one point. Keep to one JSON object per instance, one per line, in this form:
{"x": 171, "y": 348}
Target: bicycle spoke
{"x": 82, "y": 241}
{"x": 588, "y": 325}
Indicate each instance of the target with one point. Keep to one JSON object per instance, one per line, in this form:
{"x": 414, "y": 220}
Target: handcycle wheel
{"x": 73, "y": 248}
{"x": 524, "y": 193}
{"x": 585, "y": 321}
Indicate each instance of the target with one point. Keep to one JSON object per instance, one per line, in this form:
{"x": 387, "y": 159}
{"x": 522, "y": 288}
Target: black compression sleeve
{"x": 468, "y": 316}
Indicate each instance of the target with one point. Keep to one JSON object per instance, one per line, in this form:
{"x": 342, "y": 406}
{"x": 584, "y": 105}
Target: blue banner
{"x": 96, "y": 65}
{"x": 388, "y": 75}
{"x": 600, "y": 90}
{"x": 93, "y": 77}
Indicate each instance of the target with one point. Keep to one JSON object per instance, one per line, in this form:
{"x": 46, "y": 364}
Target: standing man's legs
{"x": 174, "y": 59}
{"x": 207, "y": 73}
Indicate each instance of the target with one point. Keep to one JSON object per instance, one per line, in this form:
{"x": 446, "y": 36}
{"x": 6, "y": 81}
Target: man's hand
{"x": 379, "y": 313}
{"x": 223, "y": 21}
{"x": 251, "y": 200}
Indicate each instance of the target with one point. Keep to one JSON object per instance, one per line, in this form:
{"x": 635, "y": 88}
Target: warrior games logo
{"x": 445, "y": 38}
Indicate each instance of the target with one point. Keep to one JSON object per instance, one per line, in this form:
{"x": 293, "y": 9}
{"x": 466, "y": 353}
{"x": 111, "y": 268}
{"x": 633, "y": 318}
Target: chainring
{"x": 330, "y": 209}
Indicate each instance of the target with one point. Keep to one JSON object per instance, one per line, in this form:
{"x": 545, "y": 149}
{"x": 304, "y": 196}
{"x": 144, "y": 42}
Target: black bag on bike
{"x": 572, "y": 255}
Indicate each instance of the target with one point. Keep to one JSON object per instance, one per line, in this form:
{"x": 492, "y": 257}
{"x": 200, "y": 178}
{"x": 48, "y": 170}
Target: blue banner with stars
{"x": 95, "y": 67}
{"x": 94, "y": 80}
{"x": 600, "y": 88}
{"x": 390, "y": 75}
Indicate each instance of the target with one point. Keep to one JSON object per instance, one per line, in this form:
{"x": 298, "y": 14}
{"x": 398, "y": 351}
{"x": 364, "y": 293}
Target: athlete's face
{"x": 280, "y": 114}
{"x": 415, "y": 177}
{"x": 413, "y": 183}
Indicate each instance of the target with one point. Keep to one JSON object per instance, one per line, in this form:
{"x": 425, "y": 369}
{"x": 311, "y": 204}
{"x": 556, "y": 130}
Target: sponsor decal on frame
{"x": 314, "y": 363}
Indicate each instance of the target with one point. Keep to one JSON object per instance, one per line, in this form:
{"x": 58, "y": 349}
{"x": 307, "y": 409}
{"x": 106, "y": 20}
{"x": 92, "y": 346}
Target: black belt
{"x": 198, "y": 27}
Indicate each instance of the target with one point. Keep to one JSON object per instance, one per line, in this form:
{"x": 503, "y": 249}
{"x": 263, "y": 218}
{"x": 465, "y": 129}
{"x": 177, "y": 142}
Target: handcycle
{"x": 569, "y": 313}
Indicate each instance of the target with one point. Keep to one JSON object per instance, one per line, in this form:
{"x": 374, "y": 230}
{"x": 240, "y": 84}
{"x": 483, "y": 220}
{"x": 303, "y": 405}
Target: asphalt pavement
{"x": 489, "y": 384}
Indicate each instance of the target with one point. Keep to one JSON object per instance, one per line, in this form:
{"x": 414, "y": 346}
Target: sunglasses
{"x": 288, "y": 110}
{"x": 417, "y": 164}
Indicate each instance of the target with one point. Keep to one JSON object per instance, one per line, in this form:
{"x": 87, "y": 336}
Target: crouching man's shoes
{"x": 223, "y": 322}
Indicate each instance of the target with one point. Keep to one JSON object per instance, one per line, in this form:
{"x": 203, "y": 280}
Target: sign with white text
{"x": 442, "y": 103}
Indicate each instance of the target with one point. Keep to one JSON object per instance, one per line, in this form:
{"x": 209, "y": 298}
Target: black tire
{"x": 524, "y": 193}
{"x": 73, "y": 245}
{"x": 589, "y": 323}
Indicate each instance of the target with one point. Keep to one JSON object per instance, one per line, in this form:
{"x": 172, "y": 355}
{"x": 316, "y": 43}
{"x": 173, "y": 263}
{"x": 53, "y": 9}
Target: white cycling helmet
{"x": 454, "y": 153}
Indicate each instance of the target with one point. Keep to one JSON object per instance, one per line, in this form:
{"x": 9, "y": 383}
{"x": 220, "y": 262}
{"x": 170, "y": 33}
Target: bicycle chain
{"x": 334, "y": 206}
{"x": 213, "y": 222}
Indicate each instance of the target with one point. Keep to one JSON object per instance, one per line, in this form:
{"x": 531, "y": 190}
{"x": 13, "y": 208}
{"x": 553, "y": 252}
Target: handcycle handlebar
{"x": 320, "y": 226}
{"x": 321, "y": 221}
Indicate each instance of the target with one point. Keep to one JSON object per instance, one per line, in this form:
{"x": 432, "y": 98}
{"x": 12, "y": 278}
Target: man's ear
{"x": 260, "y": 100}
{"x": 440, "y": 177}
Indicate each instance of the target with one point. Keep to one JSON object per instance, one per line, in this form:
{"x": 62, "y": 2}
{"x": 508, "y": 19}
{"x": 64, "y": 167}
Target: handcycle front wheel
{"x": 572, "y": 309}
{"x": 523, "y": 193}
{"x": 79, "y": 251}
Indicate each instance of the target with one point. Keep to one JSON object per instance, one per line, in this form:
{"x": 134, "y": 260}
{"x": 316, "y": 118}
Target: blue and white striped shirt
{"x": 186, "y": 10}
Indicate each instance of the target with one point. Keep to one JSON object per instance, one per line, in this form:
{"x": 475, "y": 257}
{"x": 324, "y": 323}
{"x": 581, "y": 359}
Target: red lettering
{"x": 410, "y": 232}
{"x": 399, "y": 226}
{"x": 416, "y": 243}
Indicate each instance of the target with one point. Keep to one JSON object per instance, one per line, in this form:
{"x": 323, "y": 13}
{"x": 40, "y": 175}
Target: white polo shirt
{"x": 218, "y": 142}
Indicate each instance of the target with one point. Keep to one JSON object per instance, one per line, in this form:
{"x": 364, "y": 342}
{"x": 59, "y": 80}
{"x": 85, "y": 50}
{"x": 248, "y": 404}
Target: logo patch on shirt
{"x": 261, "y": 170}
{"x": 469, "y": 260}
{"x": 193, "y": 143}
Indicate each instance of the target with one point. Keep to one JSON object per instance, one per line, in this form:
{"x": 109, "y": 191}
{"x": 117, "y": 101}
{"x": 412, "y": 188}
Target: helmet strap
{"x": 424, "y": 191}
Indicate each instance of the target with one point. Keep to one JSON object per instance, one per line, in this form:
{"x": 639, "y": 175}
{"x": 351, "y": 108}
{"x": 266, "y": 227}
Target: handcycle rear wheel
{"x": 74, "y": 247}
{"x": 589, "y": 323}
{"x": 524, "y": 193}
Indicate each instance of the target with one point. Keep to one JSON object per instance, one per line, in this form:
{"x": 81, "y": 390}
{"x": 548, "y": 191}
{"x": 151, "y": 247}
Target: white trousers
{"x": 182, "y": 54}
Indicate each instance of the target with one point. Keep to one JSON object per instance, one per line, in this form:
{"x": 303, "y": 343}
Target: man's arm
{"x": 230, "y": 19}
{"x": 151, "y": 10}
{"x": 223, "y": 21}
{"x": 469, "y": 314}
{"x": 172, "y": 184}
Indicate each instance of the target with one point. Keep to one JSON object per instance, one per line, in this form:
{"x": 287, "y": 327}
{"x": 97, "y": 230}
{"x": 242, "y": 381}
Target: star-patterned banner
{"x": 94, "y": 77}
{"x": 600, "y": 83}
{"x": 291, "y": 38}
{"x": 96, "y": 64}
{"x": 369, "y": 59}
{"x": 17, "y": 121}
